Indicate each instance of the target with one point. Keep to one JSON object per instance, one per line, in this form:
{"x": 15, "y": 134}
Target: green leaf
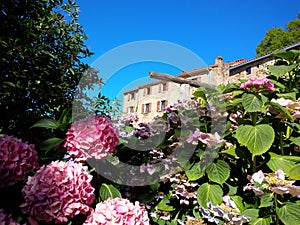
{"x": 287, "y": 55}
{"x": 252, "y": 213}
{"x": 294, "y": 173}
{"x": 281, "y": 70}
{"x": 252, "y": 103}
{"x": 194, "y": 173}
{"x": 266, "y": 200}
{"x": 230, "y": 151}
{"x": 209, "y": 193}
{"x": 282, "y": 110}
{"x": 218, "y": 172}
{"x": 295, "y": 140}
{"x": 261, "y": 221}
{"x": 47, "y": 123}
{"x": 289, "y": 214}
{"x": 290, "y": 95}
{"x": 109, "y": 191}
{"x": 163, "y": 205}
{"x": 50, "y": 144}
{"x": 238, "y": 200}
{"x": 258, "y": 139}
{"x": 286, "y": 163}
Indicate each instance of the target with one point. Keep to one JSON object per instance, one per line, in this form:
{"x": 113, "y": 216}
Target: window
{"x": 248, "y": 70}
{"x": 132, "y": 96}
{"x": 164, "y": 86}
{"x": 148, "y": 90}
{"x": 130, "y": 109}
{"x": 147, "y": 108}
{"x": 161, "y": 105}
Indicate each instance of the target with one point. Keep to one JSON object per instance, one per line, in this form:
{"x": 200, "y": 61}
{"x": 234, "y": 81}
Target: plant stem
{"x": 254, "y": 117}
{"x": 276, "y": 216}
{"x": 281, "y": 143}
{"x": 254, "y": 164}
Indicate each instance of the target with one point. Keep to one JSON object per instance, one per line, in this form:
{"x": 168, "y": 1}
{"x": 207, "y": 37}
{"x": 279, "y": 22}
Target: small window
{"x": 148, "y": 91}
{"x": 164, "y": 86}
{"x": 248, "y": 70}
{"x": 130, "y": 109}
{"x": 147, "y": 108}
{"x": 132, "y": 96}
{"x": 163, "y": 105}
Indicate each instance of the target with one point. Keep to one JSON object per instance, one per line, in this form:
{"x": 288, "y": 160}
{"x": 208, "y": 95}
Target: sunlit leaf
{"x": 258, "y": 139}
{"x": 209, "y": 193}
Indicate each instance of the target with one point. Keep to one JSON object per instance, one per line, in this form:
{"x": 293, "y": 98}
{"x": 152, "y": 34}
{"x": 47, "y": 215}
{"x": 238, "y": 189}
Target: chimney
{"x": 219, "y": 61}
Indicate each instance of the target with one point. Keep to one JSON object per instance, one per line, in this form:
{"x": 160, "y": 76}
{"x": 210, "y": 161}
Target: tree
{"x": 41, "y": 48}
{"x": 277, "y": 38}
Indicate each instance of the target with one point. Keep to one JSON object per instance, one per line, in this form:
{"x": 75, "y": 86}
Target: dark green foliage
{"x": 41, "y": 47}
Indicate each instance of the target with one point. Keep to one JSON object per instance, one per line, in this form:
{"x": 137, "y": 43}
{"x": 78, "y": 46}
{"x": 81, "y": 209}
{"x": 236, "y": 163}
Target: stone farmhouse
{"x": 150, "y": 99}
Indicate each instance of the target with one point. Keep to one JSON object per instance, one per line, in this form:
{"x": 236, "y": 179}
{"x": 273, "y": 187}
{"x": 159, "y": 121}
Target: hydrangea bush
{"x": 17, "y": 158}
{"x": 246, "y": 172}
{"x": 58, "y": 191}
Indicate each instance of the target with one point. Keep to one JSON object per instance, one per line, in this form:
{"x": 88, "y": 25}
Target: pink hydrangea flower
{"x": 58, "y": 191}
{"x": 118, "y": 211}
{"x": 92, "y": 137}
{"x": 7, "y": 219}
{"x": 205, "y": 138}
{"x": 254, "y": 84}
{"x": 16, "y": 159}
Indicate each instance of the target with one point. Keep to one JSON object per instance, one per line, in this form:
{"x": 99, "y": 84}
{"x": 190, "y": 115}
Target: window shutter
{"x": 150, "y": 107}
{"x": 167, "y": 85}
{"x": 159, "y": 88}
{"x": 158, "y": 106}
{"x": 128, "y": 96}
{"x": 166, "y": 105}
{"x": 143, "y": 108}
{"x": 144, "y": 94}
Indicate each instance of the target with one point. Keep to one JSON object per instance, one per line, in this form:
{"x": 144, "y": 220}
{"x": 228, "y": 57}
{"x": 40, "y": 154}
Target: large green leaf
{"x": 282, "y": 110}
{"x": 286, "y": 163}
{"x": 47, "y": 123}
{"x": 50, "y": 144}
{"x": 209, "y": 193}
{"x": 109, "y": 191}
{"x": 252, "y": 213}
{"x": 238, "y": 200}
{"x": 261, "y": 221}
{"x": 289, "y": 214}
{"x": 252, "y": 103}
{"x": 290, "y": 55}
{"x": 294, "y": 172}
{"x": 194, "y": 173}
{"x": 258, "y": 139}
{"x": 266, "y": 200}
{"x": 218, "y": 172}
{"x": 281, "y": 70}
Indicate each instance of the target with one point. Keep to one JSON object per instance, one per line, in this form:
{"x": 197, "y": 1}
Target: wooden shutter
{"x": 128, "y": 96}
{"x": 143, "y": 108}
{"x": 145, "y": 89}
{"x": 167, "y": 85}
{"x": 159, "y": 88}
{"x": 150, "y": 107}
{"x": 158, "y": 106}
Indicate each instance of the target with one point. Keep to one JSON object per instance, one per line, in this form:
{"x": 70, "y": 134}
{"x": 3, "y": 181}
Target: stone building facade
{"x": 149, "y": 100}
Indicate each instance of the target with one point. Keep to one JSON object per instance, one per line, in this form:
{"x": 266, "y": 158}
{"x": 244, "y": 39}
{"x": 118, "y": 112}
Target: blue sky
{"x": 208, "y": 28}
